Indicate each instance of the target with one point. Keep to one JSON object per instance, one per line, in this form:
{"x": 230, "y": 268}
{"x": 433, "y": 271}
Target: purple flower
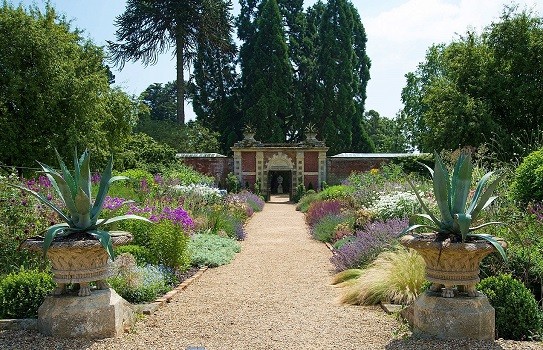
{"x": 320, "y": 209}
{"x": 44, "y": 181}
{"x": 158, "y": 179}
{"x": 113, "y": 203}
{"x": 374, "y": 238}
{"x": 536, "y": 209}
{"x": 95, "y": 178}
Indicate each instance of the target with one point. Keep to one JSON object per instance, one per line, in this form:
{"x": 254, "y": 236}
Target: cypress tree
{"x": 267, "y": 76}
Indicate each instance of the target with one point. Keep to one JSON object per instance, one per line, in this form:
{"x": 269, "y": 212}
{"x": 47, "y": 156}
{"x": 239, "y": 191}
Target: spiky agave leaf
{"x": 67, "y": 176}
{"x": 490, "y": 239}
{"x": 423, "y": 205}
{"x": 442, "y": 193}
{"x": 85, "y": 182}
{"x": 485, "y": 199}
{"x": 105, "y": 240}
{"x": 461, "y": 183}
{"x": 63, "y": 189}
{"x": 50, "y": 235}
{"x": 101, "y": 222}
{"x": 44, "y": 201}
{"x": 463, "y": 221}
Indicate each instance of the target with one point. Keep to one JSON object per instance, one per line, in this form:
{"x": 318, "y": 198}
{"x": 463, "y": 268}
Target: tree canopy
{"x": 480, "y": 88}
{"x": 54, "y": 91}
{"x": 148, "y": 28}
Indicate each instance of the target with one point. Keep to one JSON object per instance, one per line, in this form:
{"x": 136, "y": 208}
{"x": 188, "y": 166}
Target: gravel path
{"x": 275, "y": 295}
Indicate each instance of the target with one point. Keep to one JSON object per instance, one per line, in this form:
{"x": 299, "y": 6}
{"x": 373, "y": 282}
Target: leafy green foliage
{"x": 143, "y": 152}
{"x": 518, "y": 315}
{"x": 161, "y": 100}
{"x": 212, "y": 250}
{"x": 478, "y": 88}
{"x": 141, "y": 254}
{"x": 168, "y": 245}
{"x": 299, "y": 193}
{"x": 305, "y": 202}
{"x": 189, "y": 138}
{"x": 233, "y": 185}
{"x": 51, "y": 77}
{"x": 22, "y": 293}
{"x": 528, "y": 184}
{"x": 267, "y": 76}
{"x": 183, "y": 174}
{"x": 336, "y": 192}
{"x": 385, "y": 133}
{"x": 214, "y": 90}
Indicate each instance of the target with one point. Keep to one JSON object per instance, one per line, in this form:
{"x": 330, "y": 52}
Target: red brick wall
{"x": 340, "y": 168}
{"x": 216, "y": 167}
{"x": 248, "y": 161}
{"x": 311, "y": 161}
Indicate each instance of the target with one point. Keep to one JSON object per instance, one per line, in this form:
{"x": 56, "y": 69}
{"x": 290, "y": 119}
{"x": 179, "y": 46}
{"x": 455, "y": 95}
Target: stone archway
{"x": 279, "y": 174}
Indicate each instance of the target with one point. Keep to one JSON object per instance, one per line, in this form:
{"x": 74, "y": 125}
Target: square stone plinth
{"x": 453, "y": 318}
{"x": 103, "y": 314}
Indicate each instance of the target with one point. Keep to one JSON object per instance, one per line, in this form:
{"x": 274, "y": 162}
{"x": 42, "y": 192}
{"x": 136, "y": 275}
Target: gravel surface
{"x": 274, "y": 295}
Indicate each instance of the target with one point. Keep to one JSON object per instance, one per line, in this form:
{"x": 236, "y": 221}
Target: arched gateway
{"x": 279, "y": 167}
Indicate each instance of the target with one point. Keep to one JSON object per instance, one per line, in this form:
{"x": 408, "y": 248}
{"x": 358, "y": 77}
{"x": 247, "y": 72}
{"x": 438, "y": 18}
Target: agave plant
{"x": 75, "y": 191}
{"x": 451, "y": 194}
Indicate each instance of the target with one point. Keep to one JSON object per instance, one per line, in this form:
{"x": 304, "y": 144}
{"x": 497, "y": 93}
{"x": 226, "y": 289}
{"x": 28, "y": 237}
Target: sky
{"x": 399, "y": 33}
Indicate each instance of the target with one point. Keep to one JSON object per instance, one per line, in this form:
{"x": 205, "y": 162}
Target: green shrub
{"x": 336, "y": 192}
{"x": 22, "y": 293}
{"x": 299, "y": 193}
{"x": 232, "y": 183}
{"x": 211, "y": 250}
{"x": 141, "y": 254}
{"x": 528, "y": 183}
{"x": 183, "y": 174}
{"x": 168, "y": 245}
{"x": 139, "y": 229}
{"x": 325, "y": 228}
{"x": 304, "y": 203}
{"x": 518, "y": 315}
{"x": 143, "y": 152}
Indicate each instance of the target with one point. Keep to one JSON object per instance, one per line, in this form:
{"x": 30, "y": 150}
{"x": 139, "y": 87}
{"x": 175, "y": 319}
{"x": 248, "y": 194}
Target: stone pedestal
{"x": 453, "y": 318}
{"x": 103, "y": 314}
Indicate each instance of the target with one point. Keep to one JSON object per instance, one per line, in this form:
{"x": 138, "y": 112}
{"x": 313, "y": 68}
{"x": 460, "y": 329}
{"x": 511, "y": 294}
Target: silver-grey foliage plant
{"x": 451, "y": 194}
{"x": 75, "y": 191}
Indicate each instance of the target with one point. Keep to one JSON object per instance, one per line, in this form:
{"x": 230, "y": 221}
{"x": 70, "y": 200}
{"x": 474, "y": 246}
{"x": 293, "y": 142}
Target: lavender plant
{"x": 374, "y": 238}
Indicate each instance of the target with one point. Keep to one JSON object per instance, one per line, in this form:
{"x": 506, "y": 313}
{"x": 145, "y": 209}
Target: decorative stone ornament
{"x": 79, "y": 261}
{"x": 450, "y": 264}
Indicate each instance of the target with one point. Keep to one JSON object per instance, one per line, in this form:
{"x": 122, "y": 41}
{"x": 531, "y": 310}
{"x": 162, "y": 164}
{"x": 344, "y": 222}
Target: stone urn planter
{"x": 79, "y": 261}
{"x": 450, "y": 265}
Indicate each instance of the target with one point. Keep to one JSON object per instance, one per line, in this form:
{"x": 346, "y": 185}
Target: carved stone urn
{"x": 79, "y": 261}
{"x": 451, "y": 264}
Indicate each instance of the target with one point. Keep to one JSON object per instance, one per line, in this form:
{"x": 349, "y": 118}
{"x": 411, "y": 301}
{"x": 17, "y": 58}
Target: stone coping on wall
{"x": 378, "y": 155}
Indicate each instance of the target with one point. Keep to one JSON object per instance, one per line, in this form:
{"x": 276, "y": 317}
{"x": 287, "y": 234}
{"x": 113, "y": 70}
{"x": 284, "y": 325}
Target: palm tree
{"x": 148, "y": 28}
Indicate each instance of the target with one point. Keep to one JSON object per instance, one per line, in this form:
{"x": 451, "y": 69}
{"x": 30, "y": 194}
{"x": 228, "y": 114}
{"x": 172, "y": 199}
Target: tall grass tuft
{"x": 395, "y": 276}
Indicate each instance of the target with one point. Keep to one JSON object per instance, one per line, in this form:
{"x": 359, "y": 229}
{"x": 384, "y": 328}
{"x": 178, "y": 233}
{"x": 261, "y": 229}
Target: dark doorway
{"x": 280, "y": 181}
